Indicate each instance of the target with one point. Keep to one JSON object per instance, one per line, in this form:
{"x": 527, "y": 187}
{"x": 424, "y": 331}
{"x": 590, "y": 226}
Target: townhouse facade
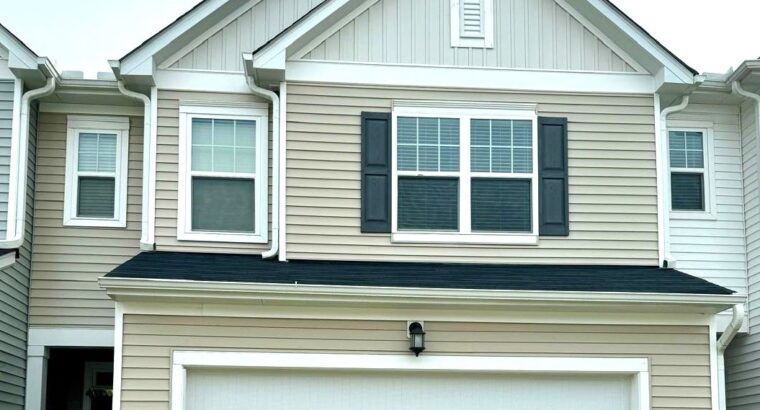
{"x": 272, "y": 202}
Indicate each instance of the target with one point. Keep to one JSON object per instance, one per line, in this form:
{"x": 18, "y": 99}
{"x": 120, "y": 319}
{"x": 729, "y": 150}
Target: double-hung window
{"x": 96, "y": 171}
{"x": 464, "y": 174}
{"x": 689, "y": 176}
{"x": 223, "y": 174}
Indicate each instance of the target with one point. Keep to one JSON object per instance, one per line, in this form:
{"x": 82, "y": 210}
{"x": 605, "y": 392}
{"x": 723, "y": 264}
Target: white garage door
{"x": 386, "y": 390}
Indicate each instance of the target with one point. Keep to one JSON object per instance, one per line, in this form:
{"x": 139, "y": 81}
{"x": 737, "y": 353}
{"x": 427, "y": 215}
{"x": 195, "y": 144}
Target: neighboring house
{"x": 272, "y": 202}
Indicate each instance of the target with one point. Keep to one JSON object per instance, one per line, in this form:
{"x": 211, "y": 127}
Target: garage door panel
{"x": 228, "y": 389}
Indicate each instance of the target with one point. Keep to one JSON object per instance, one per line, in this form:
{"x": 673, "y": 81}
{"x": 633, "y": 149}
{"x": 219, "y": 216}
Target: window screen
{"x": 503, "y": 146}
{"x": 96, "y": 175}
{"x": 428, "y": 144}
{"x": 501, "y": 205}
{"x": 223, "y": 168}
{"x": 687, "y": 165}
{"x": 430, "y": 204}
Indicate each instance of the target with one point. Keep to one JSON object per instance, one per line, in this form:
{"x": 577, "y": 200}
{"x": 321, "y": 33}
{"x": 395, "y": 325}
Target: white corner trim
{"x": 407, "y": 75}
{"x": 257, "y": 112}
{"x": 77, "y": 124}
{"x": 663, "y": 236}
{"x": 70, "y": 337}
{"x": 184, "y": 360}
{"x": 118, "y": 350}
{"x": 283, "y": 180}
{"x": 198, "y": 40}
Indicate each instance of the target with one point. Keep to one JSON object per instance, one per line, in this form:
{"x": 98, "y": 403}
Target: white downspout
{"x": 18, "y": 169}
{"x": 664, "y": 177}
{"x": 272, "y": 96}
{"x": 146, "y": 239}
{"x": 728, "y": 335}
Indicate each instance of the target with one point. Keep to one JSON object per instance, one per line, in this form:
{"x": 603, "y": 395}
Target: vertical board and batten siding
{"x": 611, "y": 174}
{"x": 531, "y": 34}
{"x": 67, "y": 261}
{"x": 714, "y": 249}
{"x": 743, "y": 354}
{"x": 167, "y": 173}
{"x": 14, "y": 297}
{"x": 679, "y": 355}
{"x": 249, "y": 31}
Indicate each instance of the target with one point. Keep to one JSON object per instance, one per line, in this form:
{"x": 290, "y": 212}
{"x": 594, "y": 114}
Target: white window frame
{"x": 708, "y": 172}
{"x": 637, "y": 367}
{"x": 245, "y": 111}
{"x": 77, "y": 124}
{"x": 90, "y": 371}
{"x": 457, "y": 40}
{"x": 464, "y": 112}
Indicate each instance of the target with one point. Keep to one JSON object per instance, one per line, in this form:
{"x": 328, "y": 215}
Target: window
{"x": 223, "y": 173}
{"x": 464, "y": 174}
{"x": 689, "y": 176}
{"x": 96, "y": 171}
{"x": 472, "y": 23}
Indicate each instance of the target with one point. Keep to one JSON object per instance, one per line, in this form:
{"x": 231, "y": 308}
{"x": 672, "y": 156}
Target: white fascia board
{"x": 468, "y": 77}
{"x": 140, "y": 61}
{"x": 682, "y": 74}
{"x": 300, "y": 293}
{"x": 202, "y": 81}
{"x": 273, "y": 54}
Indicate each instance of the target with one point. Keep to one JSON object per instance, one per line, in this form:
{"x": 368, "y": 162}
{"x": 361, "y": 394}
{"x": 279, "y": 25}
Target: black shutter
{"x": 376, "y": 172}
{"x": 553, "y": 214}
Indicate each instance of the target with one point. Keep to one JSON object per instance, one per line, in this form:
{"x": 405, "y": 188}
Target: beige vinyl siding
{"x": 14, "y": 297}
{"x": 257, "y": 24}
{"x": 742, "y": 364}
{"x": 534, "y": 34}
{"x": 679, "y": 355}
{"x": 714, "y": 249}
{"x": 167, "y": 174}
{"x": 67, "y": 261}
{"x": 612, "y": 173}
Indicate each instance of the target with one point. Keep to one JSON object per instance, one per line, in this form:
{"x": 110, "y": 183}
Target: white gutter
{"x": 728, "y": 335}
{"x": 666, "y": 259}
{"x": 272, "y": 96}
{"x": 146, "y": 239}
{"x": 18, "y": 169}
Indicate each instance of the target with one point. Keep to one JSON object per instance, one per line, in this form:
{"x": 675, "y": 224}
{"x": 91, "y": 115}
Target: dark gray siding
{"x": 14, "y": 298}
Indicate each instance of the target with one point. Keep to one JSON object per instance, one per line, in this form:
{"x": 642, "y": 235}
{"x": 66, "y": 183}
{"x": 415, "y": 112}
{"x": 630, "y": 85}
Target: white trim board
{"x": 468, "y": 77}
{"x": 71, "y": 337}
{"x": 446, "y": 314}
{"x": 91, "y": 109}
{"x": 184, "y": 360}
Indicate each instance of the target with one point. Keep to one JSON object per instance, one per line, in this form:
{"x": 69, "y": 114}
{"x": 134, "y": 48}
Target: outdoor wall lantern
{"x": 416, "y": 338}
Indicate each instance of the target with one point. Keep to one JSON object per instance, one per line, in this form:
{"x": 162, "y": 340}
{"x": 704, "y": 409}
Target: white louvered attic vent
{"x": 471, "y": 19}
{"x": 472, "y": 23}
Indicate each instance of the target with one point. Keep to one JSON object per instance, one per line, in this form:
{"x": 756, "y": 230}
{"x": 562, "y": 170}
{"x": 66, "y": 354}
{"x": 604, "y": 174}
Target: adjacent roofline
{"x": 265, "y": 293}
{"x": 18, "y": 49}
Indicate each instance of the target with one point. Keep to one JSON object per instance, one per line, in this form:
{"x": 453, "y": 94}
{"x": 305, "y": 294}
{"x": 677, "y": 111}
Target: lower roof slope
{"x": 252, "y": 269}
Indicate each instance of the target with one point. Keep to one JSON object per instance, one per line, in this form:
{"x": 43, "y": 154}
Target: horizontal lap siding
{"x": 742, "y": 364}
{"x": 679, "y": 355}
{"x": 14, "y": 298}
{"x": 612, "y": 173}
{"x": 6, "y": 117}
{"x": 167, "y": 174}
{"x": 67, "y": 261}
{"x": 714, "y": 249}
{"x": 535, "y": 34}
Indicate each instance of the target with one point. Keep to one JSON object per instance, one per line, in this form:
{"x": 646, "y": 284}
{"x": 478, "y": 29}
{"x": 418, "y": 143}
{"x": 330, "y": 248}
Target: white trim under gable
{"x": 184, "y": 360}
{"x": 468, "y": 77}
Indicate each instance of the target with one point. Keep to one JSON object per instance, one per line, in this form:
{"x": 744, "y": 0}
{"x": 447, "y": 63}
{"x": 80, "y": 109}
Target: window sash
{"x": 704, "y": 170}
{"x": 465, "y": 174}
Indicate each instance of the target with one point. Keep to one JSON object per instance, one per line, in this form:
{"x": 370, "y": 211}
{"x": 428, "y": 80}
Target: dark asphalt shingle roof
{"x": 253, "y": 269}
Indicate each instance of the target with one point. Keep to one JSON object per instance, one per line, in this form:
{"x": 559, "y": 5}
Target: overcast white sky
{"x": 710, "y": 35}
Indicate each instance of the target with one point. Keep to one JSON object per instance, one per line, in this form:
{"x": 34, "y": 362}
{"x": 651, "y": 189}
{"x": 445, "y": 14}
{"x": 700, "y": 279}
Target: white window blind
{"x": 472, "y": 18}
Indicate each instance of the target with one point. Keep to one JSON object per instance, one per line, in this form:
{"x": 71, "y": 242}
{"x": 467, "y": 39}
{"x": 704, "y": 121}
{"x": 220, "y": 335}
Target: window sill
{"x": 458, "y": 238}
{"x": 693, "y": 215}
{"x": 221, "y": 237}
{"x": 94, "y": 223}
